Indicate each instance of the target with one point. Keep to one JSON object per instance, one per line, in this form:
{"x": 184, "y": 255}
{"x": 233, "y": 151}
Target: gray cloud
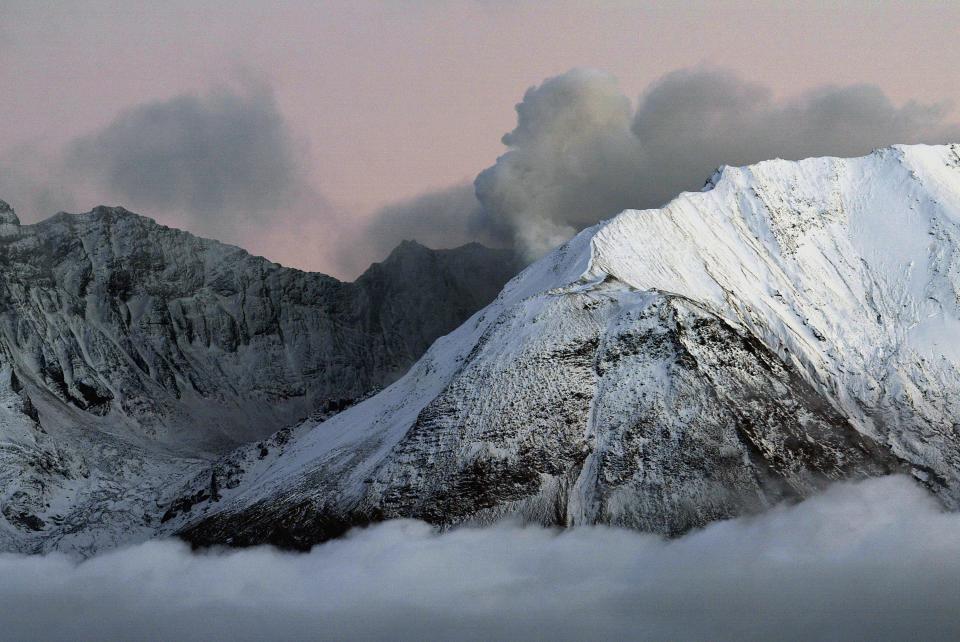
{"x": 871, "y": 560}
{"x": 580, "y": 153}
{"x": 214, "y": 155}
{"x": 444, "y": 218}
{"x": 224, "y": 164}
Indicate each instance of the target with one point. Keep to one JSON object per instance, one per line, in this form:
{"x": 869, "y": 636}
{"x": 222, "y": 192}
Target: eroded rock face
{"x": 793, "y": 324}
{"x": 182, "y": 340}
{"x": 9, "y": 223}
{"x": 137, "y": 351}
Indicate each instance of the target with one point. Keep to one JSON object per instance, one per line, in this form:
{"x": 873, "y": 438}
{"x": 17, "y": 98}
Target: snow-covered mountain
{"x": 791, "y": 324}
{"x": 130, "y": 353}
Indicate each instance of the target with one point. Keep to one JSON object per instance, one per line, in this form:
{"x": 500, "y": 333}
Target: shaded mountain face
{"x": 130, "y": 352}
{"x": 792, "y": 324}
{"x": 183, "y": 340}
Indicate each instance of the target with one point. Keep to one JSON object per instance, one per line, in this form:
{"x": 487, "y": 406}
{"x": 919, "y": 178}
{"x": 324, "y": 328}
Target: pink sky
{"x": 396, "y": 98}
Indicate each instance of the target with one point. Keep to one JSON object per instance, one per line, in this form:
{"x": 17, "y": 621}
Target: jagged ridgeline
{"x": 136, "y": 349}
{"x": 793, "y": 324}
{"x": 183, "y": 338}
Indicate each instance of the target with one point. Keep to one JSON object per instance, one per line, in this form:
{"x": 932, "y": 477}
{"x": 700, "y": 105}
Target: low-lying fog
{"x": 868, "y": 560}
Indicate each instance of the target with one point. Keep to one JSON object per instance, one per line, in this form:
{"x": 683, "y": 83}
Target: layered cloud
{"x": 872, "y": 560}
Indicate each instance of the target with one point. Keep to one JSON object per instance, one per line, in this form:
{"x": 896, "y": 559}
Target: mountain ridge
{"x": 128, "y": 337}
{"x": 790, "y": 325}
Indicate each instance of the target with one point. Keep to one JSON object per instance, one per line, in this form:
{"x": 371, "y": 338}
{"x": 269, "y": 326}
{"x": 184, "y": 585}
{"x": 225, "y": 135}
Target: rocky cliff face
{"x": 184, "y": 340}
{"x": 792, "y": 324}
{"x": 137, "y": 350}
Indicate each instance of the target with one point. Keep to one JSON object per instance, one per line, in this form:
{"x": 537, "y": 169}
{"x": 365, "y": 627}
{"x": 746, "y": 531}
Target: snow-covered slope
{"x": 144, "y": 350}
{"x": 793, "y": 323}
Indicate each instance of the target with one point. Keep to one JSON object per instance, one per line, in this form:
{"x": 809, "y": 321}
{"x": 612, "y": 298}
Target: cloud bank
{"x": 580, "y": 152}
{"x": 444, "y": 218}
{"x": 224, "y": 164}
{"x": 227, "y": 163}
{"x": 870, "y": 560}
{"x": 229, "y": 151}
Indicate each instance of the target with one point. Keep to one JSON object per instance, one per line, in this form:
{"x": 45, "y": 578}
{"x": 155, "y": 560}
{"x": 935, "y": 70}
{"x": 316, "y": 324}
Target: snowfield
{"x": 791, "y": 324}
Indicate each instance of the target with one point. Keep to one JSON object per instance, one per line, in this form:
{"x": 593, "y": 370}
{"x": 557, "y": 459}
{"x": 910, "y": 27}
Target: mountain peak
{"x": 664, "y": 369}
{"x": 116, "y": 211}
{"x": 408, "y": 246}
{"x": 9, "y": 222}
{"x": 172, "y": 347}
